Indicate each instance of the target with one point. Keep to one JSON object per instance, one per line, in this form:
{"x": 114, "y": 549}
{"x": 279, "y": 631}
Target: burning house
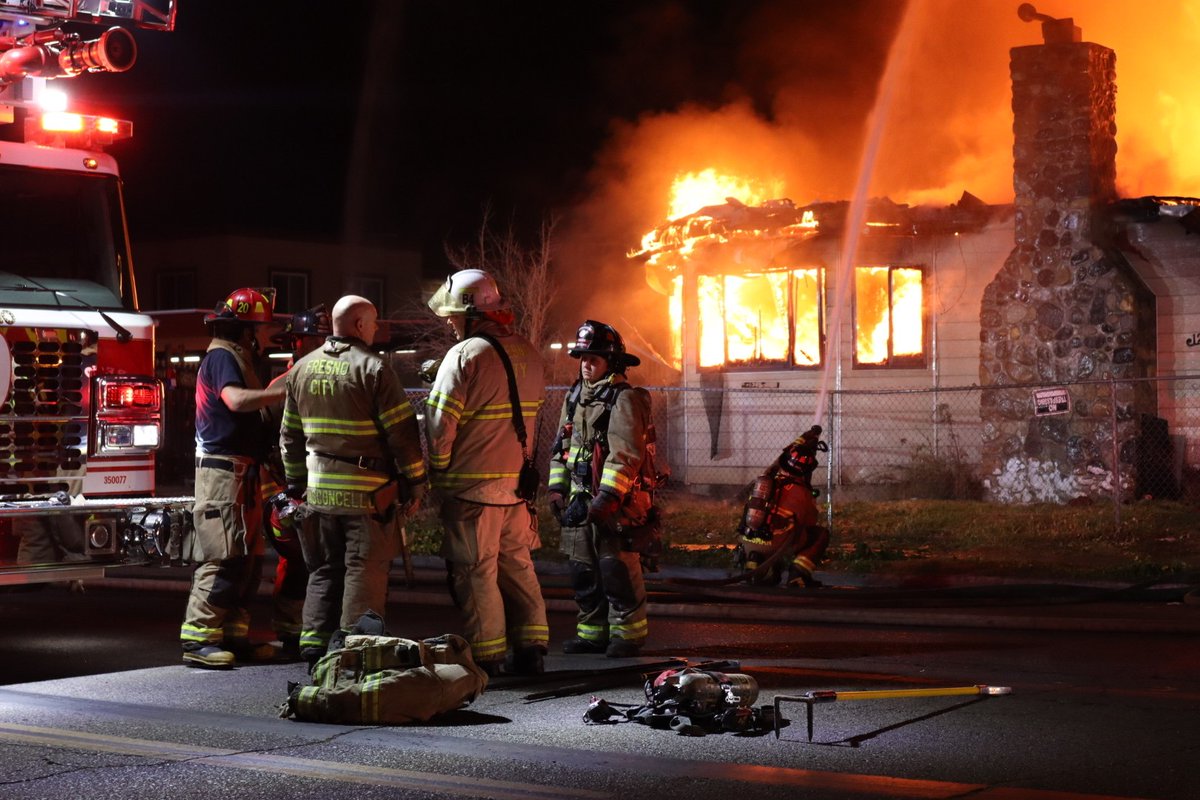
{"x": 1060, "y": 310}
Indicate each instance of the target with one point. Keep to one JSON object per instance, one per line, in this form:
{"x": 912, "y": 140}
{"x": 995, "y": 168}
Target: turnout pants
{"x": 287, "y": 600}
{"x": 349, "y": 557}
{"x": 228, "y": 546}
{"x": 608, "y": 585}
{"x": 491, "y": 577}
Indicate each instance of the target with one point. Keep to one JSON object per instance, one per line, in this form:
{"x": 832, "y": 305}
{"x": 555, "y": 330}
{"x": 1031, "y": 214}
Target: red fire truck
{"x": 81, "y": 413}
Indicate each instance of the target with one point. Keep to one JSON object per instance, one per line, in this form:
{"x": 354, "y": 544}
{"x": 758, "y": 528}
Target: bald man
{"x": 352, "y": 449}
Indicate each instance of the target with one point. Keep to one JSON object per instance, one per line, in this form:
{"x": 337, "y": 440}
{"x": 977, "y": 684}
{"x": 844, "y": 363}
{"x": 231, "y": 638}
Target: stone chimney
{"x": 1066, "y": 323}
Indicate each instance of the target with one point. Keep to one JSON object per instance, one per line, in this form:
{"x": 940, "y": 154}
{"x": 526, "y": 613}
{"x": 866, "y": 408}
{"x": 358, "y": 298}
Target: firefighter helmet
{"x": 800, "y": 457}
{"x": 313, "y": 322}
{"x": 244, "y": 305}
{"x": 598, "y": 339}
{"x": 468, "y": 291}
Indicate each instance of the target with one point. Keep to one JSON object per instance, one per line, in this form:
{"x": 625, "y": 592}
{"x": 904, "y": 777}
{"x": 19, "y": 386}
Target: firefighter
{"x": 597, "y": 488}
{"x": 352, "y": 449}
{"x": 230, "y": 445}
{"x": 303, "y": 333}
{"x": 476, "y": 457}
{"x": 779, "y": 537}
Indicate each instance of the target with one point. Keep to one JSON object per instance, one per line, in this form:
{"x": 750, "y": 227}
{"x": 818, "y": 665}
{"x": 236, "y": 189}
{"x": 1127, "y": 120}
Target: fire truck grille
{"x": 43, "y": 424}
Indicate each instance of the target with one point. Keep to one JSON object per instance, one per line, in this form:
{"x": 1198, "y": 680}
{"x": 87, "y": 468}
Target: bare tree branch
{"x": 521, "y": 270}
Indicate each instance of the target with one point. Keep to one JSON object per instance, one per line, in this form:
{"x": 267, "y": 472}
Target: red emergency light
{"x": 68, "y": 129}
{"x": 128, "y": 396}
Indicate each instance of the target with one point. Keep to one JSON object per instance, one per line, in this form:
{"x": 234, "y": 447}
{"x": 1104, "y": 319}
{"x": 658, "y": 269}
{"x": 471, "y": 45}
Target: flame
{"x": 745, "y": 318}
{"x": 756, "y": 318}
{"x": 692, "y": 191}
{"x": 908, "y": 333}
{"x": 712, "y": 313}
{"x": 675, "y": 311}
{"x": 886, "y": 313}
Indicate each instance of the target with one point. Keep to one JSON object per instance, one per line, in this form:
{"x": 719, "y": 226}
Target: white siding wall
{"x": 756, "y": 425}
{"x": 1168, "y": 259}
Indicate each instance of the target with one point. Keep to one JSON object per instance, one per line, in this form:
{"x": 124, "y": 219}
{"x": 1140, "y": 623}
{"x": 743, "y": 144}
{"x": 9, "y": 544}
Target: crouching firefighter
{"x": 779, "y": 535}
{"x": 601, "y": 484}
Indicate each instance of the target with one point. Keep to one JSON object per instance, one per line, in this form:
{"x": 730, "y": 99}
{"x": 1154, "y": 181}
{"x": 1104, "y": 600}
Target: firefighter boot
{"x": 622, "y": 648}
{"x": 311, "y": 656}
{"x": 247, "y": 652}
{"x": 576, "y": 646}
{"x": 289, "y": 649}
{"x": 526, "y": 661}
{"x": 210, "y": 657}
{"x": 801, "y": 577}
{"x": 493, "y": 669}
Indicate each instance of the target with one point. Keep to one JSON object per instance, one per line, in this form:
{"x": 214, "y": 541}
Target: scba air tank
{"x": 758, "y": 505}
{"x": 707, "y": 692}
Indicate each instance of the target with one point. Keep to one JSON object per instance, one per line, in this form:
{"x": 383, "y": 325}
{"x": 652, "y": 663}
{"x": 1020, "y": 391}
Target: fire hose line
{"x": 760, "y": 571}
{"x": 830, "y": 696}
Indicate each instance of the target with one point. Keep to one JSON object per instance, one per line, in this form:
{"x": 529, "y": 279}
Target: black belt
{"x": 216, "y": 463}
{"x": 372, "y": 463}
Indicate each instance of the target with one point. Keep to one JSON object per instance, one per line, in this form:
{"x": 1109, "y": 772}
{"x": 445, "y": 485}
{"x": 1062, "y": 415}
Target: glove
{"x": 295, "y": 491}
{"x": 556, "y": 497}
{"x": 416, "y": 494}
{"x": 429, "y": 370}
{"x": 604, "y": 508}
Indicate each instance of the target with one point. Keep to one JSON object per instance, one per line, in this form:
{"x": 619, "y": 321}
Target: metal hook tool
{"x": 829, "y": 696}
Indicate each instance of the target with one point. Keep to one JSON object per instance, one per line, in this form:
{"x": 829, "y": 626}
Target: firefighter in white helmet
{"x": 476, "y": 456}
{"x": 230, "y": 444}
{"x": 599, "y": 487}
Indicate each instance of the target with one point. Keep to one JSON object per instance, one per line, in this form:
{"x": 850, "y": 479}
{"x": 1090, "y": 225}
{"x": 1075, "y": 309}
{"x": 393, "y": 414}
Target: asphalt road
{"x": 95, "y": 703}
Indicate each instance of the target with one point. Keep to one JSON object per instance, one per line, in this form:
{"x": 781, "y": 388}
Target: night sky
{"x": 397, "y": 122}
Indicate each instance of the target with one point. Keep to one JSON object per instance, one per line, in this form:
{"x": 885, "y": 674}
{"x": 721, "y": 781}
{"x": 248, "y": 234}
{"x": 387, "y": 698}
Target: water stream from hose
{"x": 894, "y": 70}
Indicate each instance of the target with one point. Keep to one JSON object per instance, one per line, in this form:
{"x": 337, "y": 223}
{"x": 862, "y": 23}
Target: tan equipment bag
{"x": 386, "y": 680}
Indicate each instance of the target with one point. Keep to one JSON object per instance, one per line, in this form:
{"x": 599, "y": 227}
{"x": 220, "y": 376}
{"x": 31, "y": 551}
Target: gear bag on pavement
{"x": 388, "y": 680}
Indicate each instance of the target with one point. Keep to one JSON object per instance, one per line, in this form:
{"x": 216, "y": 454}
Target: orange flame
{"x": 692, "y": 191}
{"x": 886, "y": 313}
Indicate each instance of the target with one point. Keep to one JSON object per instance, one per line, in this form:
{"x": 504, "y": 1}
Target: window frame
{"x": 279, "y": 272}
{"x": 893, "y": 361}
{"x": 788, "y": 362}
{"x": 353, "y": 284}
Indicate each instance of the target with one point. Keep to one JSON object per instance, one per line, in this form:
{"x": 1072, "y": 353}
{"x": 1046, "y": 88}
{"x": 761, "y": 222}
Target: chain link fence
{"x": 898, "y": 443}
{"x": 883, "y": 444}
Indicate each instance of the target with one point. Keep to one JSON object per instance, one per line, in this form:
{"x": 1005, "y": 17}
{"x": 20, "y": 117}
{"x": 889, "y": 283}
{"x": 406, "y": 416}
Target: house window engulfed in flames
{"x": 752, "y": 316}
{"x": 889, "y": 316}
{"x": 757, "y": 318}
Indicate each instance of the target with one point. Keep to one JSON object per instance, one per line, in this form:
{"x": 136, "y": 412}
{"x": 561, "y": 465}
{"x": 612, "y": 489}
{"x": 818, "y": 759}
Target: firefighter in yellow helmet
{"x": 599, "y": 487}
{"x": 230, "y": 445}
{"x": 351, "y": 447}
{"x": 476, "y": 455}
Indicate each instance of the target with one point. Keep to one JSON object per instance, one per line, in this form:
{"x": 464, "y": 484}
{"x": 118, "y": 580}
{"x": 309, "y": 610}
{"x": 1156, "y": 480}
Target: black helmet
{"x": 799, "y": 458}
{"x": 597, "y": 339}
{"x": 313, "y": 322}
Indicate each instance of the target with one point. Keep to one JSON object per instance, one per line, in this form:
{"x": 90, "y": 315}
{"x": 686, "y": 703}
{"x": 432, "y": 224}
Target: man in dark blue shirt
{"x": 227, "y": 545}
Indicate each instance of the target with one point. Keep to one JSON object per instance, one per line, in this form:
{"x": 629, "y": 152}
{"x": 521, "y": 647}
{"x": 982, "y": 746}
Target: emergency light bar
{"x": 62, "y": 128}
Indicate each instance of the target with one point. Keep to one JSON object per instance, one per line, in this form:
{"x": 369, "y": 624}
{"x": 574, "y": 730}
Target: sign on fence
{"x": 1051, "y": 401}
